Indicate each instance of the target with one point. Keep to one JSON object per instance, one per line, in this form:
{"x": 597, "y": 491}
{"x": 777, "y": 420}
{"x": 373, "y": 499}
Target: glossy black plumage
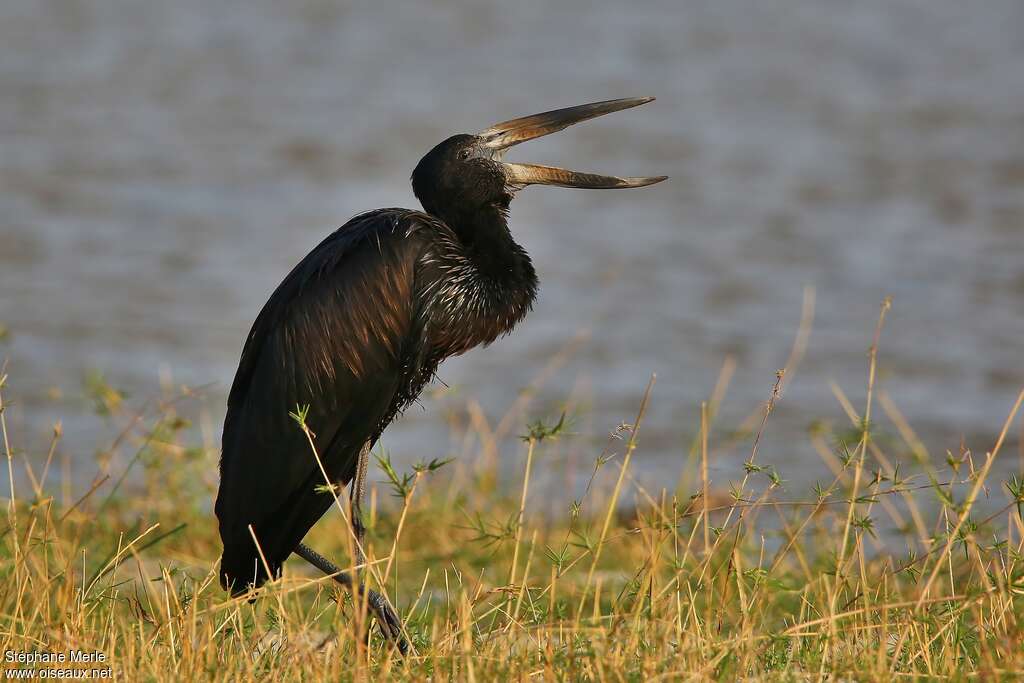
{"x": 354, "y": 331}
{"x": 358, "y": 328}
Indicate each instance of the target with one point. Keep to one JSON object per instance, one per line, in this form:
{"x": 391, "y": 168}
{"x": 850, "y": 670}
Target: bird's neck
{"x": 488, "y": 243}
{"x": 490, "y": 283}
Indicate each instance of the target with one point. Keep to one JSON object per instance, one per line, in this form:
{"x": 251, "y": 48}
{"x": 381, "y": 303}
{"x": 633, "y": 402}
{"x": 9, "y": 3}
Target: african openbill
{"x": 358, "y": 328}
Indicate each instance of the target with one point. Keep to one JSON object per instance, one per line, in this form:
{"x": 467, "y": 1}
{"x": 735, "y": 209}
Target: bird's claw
{"x": 388, "y": 620}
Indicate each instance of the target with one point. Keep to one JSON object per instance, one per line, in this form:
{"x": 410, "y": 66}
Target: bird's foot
{"x": 387, "y": 618}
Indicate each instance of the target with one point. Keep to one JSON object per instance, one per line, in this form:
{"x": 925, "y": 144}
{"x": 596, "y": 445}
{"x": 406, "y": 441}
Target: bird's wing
{"x": 334, "y": 336}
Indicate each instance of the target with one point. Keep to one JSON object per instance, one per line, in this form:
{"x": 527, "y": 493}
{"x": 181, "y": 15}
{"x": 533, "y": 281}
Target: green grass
{"x": 699, "y": 582}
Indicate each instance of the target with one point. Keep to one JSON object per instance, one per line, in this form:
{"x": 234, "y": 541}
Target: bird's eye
{"x": 463, "y": 154}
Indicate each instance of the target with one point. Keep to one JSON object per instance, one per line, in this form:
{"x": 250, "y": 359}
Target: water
{"x": 163, "y": 165}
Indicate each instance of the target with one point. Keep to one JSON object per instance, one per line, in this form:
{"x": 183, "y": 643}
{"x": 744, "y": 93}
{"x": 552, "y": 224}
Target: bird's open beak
{"x": 503, "y": 135}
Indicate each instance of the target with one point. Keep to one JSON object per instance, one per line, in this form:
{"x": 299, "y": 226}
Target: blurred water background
{"x": 163, "y": 165}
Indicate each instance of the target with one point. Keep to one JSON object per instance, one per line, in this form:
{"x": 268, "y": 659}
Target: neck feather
{"x": 489, "y": 284}
{"x": 488, "y": 243}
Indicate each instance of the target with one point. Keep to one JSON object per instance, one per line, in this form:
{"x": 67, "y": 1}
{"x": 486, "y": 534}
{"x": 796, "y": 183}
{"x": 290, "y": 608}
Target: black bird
{"x": 361, "y": 324}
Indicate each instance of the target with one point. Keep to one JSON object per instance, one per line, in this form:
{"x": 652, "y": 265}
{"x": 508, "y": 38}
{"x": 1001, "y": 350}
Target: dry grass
{"x": 751, "y": 585}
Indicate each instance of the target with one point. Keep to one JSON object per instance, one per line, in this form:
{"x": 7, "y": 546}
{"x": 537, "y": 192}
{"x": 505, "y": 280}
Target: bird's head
{"x": 466, "y": 174}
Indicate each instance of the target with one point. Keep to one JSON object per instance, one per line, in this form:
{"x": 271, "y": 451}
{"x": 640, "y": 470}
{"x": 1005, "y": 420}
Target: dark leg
{"x": 357, "y": 493}
{"x": 387, "y": 618}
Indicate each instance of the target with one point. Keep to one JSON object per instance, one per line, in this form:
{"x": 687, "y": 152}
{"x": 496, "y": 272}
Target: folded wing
{"x": 335, "y": 336}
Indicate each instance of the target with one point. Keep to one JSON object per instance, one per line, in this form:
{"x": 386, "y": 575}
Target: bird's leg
{"x": 356, "y": 496}
{"x": 388, "y": 620}
{"x": 357, "y": 490}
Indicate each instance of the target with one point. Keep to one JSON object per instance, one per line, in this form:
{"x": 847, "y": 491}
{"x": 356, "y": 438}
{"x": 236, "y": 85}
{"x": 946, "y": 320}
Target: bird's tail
{"x": 242, "y": 567}
{"x": 245, "y": 564}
